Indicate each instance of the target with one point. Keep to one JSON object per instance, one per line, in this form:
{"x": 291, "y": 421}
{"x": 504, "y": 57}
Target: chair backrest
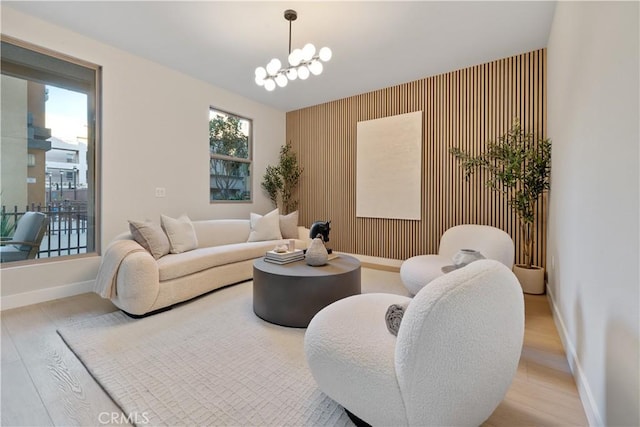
{"x": 492, "y": 242}
{"x": 459, "y": 345}
{"x": 30, "y": 228}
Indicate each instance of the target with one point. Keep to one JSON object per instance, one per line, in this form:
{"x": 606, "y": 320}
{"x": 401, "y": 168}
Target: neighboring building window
{"x": 48, "y": 146}
{"x": 230, "y": 157}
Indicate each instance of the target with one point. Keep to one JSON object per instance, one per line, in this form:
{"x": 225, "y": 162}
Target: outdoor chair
{"x": 25, "y": 242}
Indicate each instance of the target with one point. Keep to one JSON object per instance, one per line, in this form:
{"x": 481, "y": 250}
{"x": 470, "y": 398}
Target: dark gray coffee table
{"x": 291, "y": 294}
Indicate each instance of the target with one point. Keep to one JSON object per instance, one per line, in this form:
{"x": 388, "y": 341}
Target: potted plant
{"x": 518, "y": 165}
{"x": 281, "y": 181}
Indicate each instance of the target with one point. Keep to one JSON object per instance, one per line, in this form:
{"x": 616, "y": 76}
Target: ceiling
{"x": 375, "y": 44}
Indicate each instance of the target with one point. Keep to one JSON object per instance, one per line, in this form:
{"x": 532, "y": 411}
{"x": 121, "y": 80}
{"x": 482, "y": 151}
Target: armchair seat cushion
{"x": 419, "y": 270}
{"x": 351, "y": 355}
{"x": 11, "y": 253}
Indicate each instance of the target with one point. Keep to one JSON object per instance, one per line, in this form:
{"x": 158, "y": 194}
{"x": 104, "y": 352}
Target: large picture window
{"x": 230, "y": 157}
{"x": 48, "y": 153}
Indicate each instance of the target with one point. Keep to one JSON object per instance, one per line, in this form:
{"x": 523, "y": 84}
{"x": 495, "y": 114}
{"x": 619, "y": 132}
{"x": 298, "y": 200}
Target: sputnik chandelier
{"x": 302, "y": 62}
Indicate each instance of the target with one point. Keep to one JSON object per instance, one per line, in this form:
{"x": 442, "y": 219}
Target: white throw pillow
{"x": 180, "y": 232}
{"x": 265, "y": 227}
{"x": 289, "y": 225}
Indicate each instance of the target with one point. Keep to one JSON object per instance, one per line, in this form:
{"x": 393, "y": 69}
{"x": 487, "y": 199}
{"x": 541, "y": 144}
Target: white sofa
{"x": 223, "y": 257}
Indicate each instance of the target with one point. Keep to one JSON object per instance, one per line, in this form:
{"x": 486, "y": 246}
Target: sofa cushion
{"x": 177, "y": 265}
{"x": 180, "y": 232}
{"x": 289, "y": 225}
{"x": 265, "y": 227}
{"x": 151, "y": 237}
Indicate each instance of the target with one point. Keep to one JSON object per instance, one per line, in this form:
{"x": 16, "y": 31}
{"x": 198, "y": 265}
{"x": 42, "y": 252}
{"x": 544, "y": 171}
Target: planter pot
{"x": 531, "y": 279}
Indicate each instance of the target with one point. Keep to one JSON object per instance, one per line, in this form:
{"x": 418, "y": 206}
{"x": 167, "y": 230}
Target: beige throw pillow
{"x": 151, "y": 237}
{"x": 265, "y": 227}
{"x": 289, "y": 225}
{"x": 181, "y": 234}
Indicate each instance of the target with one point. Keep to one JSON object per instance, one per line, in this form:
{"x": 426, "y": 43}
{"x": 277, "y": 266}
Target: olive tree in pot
{"x": 518, "y": 165}
{"x": 281, "y": 181}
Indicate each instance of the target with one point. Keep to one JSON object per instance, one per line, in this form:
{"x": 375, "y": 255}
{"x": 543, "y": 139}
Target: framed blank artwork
{"x": 389, "y": 164}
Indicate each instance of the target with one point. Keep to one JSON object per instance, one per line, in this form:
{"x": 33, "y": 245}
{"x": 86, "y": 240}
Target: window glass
{"x": 48, "y": 152}
{"x": 230, "y": 157}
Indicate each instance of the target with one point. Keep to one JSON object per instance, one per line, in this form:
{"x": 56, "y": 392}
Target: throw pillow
{"x": 289, "y": 225}
{"x": 151, "y": 237}
{"x": 265, "y": 227}
{"x": 393, "y": 317}
{"x": 181, "y": 234}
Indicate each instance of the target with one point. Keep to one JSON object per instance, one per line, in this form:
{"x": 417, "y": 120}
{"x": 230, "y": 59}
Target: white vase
{"x": 531, "y": 279}
{"x": 466, "y": 256}
{"x": 316, "y": 253}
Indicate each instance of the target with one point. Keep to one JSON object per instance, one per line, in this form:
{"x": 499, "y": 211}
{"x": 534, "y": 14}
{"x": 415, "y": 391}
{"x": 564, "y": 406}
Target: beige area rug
{"x": 210, "y": 361}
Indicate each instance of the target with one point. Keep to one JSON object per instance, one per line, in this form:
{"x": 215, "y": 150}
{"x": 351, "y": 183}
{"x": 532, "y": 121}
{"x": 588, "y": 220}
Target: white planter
{"x": 531, "y": 279}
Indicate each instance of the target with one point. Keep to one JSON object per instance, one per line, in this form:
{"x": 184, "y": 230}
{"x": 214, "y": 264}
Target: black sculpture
{"x": 322, "y": 228}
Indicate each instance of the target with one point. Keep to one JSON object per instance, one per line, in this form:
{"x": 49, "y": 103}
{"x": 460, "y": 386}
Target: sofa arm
{"x": 138, "y": 283}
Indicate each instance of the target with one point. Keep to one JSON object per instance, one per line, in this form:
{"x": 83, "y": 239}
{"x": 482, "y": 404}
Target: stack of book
{"x": 284, "y": 257}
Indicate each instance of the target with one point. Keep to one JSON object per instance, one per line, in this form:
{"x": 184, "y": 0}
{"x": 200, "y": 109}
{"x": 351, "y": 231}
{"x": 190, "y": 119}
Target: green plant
{"x": 271, "y": 183}
{"x": 7, "y": 226}
{"x": 280, "y": 182}
{"x": 518, "y": 165}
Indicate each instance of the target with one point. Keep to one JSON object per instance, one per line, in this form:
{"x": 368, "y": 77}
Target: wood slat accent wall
{"x": 464, "y": 108}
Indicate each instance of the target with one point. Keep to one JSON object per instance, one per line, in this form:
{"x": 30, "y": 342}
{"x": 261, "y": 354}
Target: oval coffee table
{"x": 291, "y": 294}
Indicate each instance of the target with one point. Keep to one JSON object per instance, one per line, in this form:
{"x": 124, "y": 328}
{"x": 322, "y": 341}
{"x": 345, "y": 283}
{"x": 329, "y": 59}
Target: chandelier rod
{"x": 289, "y": 37}
{"x": 290, "y": 15}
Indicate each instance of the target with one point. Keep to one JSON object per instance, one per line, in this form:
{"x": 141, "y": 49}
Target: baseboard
{"x": 42, "y": 295}
{"x": 586, "y": 396}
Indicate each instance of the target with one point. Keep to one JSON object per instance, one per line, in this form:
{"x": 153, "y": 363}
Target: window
{"x": 48, "y": 148}
{"x": 230, "y": 157}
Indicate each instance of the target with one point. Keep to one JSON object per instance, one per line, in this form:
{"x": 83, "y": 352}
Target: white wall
{"x": 154, "y": 134}
{"x": 593, "y": 254}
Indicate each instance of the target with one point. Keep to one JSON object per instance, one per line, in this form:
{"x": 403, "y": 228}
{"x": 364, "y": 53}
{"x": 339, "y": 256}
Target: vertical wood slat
{"x": 463, "y": 108}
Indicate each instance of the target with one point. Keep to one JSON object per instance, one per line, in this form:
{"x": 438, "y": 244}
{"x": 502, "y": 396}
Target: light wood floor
{"x": 44, "y": 384}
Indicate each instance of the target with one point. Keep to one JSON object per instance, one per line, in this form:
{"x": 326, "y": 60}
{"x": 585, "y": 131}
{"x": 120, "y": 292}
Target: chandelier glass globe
{"x": 273, "y": 66}
{"x": 315, "y": 67}
{"x": 292, "y": 73}
{"x": 303, "y": 72}
{"x": 325, "y": 54}
{"x": 269, "y": 85}
{"x": 281, "y": 80}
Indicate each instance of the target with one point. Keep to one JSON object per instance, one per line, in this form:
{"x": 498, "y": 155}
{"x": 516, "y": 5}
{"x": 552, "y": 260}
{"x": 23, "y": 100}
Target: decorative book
{"x": 284, "y": 257}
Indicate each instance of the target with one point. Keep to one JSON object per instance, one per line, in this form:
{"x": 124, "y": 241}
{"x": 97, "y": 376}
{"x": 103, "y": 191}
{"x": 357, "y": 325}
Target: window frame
{"x": 94, "y": 132}
{"x": 248, "y": 160}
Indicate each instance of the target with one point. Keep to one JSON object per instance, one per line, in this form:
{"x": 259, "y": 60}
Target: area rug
{"x": 210, "y": 361}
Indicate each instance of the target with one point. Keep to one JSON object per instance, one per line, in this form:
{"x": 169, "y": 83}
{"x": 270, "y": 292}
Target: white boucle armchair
{"x": 454, "y": 358}
{"x": 491, "y": 242}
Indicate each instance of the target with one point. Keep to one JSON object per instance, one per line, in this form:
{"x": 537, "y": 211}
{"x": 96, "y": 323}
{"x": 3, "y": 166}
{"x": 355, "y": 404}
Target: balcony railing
{"x": 67, "y": 230}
